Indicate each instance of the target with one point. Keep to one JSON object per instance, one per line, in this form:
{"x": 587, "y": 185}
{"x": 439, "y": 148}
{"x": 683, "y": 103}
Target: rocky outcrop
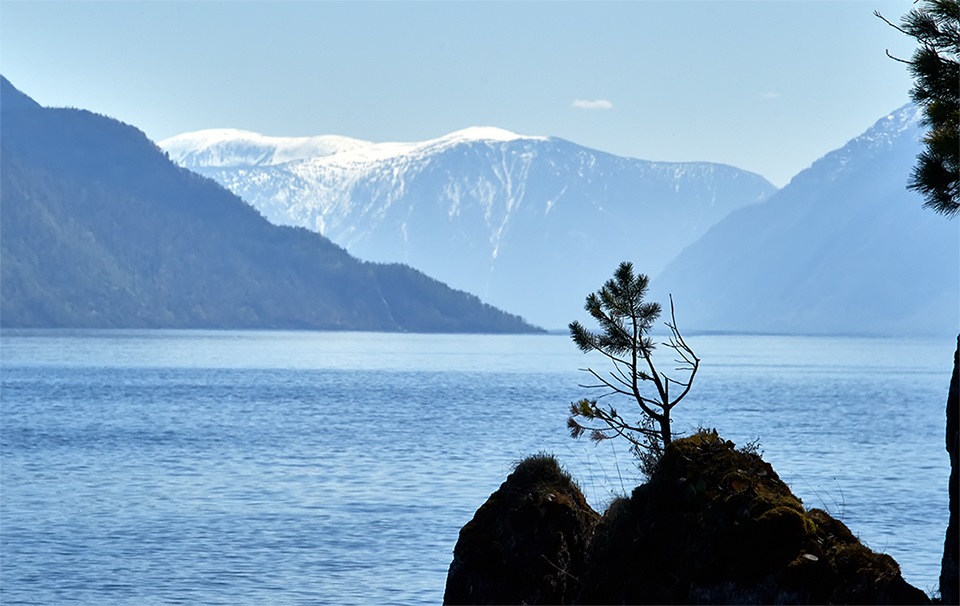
{"x": 713, "y": 525}
{"x": 950, "y": 569}
{"x": 526, "y": 544}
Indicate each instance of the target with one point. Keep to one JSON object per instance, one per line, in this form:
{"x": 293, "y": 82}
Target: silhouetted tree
{"x": 935, "y": 25}
{"x": 625, "y": 321}
{"x": 935, "y": 67}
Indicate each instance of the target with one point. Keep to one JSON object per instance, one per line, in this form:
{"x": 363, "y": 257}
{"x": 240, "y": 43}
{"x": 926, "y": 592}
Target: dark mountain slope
{"x": 12, "y": 98}
{"x": 99, "y": 229}
{"x": 844, "y": 248}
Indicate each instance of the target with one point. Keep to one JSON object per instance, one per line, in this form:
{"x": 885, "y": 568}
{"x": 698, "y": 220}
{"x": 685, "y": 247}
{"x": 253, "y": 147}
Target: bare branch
{"x": 895, "y": 58}
{"x": 899, "y": 29}
{"x": 612, "y": 357}
{"x": 620, "y": 431}
{"x": 887, "y": 21}
{"x": 643, "y": 401}
{"x": 605, "y": 383}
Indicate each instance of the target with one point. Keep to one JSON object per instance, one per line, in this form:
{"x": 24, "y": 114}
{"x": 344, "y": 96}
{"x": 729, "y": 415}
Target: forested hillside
{"x": 99, "y": 229}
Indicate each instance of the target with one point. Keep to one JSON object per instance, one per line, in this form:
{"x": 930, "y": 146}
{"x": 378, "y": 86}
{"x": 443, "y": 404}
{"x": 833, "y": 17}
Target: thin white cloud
{"x": 770, "y": 96}
{"x": 592, "y": 104}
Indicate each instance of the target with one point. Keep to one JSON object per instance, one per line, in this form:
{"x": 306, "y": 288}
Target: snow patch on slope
{"x": 222, "y": 147}
{"x": 227, "y": 147}
{"x": 882, "y": 135}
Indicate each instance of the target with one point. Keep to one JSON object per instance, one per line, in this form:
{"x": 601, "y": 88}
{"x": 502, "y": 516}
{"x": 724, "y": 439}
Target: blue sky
{"x": 768, "y": 86}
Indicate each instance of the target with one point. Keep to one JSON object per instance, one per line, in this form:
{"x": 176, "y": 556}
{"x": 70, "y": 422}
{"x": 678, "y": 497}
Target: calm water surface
{"x": 155, "y": 467}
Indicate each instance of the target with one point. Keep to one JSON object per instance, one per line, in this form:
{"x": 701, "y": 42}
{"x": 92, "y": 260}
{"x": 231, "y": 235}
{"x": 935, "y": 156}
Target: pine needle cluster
{"x": 935, "y": 67}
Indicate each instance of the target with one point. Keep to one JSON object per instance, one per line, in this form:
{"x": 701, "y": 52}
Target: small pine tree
{"x": 625, "y": 321}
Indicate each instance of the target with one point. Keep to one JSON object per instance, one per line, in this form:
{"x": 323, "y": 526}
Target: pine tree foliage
{"x": 935, "y": 67}
{"x": 625, "y": 321}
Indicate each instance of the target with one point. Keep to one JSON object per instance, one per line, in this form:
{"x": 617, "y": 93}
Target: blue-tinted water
{"x": 146, "y": 467}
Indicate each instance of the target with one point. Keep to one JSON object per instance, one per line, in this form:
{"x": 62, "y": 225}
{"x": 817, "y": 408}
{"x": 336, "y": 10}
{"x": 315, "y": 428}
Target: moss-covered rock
{"x": 716, "y": 525}
{"x": 526, "y": 544}
{"x": 713, "y": 525}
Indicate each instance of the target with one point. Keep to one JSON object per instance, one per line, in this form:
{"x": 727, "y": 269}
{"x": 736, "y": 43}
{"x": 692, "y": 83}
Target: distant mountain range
{"x": 530, "y": 224}
{"x": 99, "y": 229}
{"x": 844, "y": 248}
{"x": 536, "y": 223}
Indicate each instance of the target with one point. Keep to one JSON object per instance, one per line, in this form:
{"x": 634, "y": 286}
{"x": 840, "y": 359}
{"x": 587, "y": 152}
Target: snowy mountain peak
{"x": 230, "y": 147}
{"x": 892, "y": 126}
{"x": 484, "y": 133}
{"x": 484, "y": 209}
{"x": 903, "y": 126}
{"x": 233, "y": 147}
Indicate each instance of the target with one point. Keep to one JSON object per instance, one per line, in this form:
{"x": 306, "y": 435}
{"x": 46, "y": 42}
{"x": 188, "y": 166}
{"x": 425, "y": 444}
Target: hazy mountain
{"x": 531, "y": 224}
{"x": 99, "y": 229}
{"x": 843, "y": 248}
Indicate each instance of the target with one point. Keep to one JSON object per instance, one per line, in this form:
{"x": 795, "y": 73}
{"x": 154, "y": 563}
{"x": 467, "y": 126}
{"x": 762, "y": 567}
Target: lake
{"x": 220, "y": 467}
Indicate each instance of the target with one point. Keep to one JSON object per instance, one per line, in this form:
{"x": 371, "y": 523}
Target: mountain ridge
{"x": 197, "y": 149}
{"x": 100, "y": 229}
{"x": 844, "y": 248}
{"x": 487, "y": 210}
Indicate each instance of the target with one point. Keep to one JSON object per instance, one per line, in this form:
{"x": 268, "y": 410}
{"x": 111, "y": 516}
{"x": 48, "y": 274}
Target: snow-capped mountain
{"x": 843, "y": 248}
{"x": 530, "y": 224}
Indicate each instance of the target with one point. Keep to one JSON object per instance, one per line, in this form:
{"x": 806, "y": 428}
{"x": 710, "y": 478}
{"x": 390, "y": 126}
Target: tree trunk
{"x": 665, "y": 428}
{"x": 950, "y": 565}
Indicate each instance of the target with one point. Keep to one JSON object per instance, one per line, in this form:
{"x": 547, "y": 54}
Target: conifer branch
{"x": 625, "y": 321}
